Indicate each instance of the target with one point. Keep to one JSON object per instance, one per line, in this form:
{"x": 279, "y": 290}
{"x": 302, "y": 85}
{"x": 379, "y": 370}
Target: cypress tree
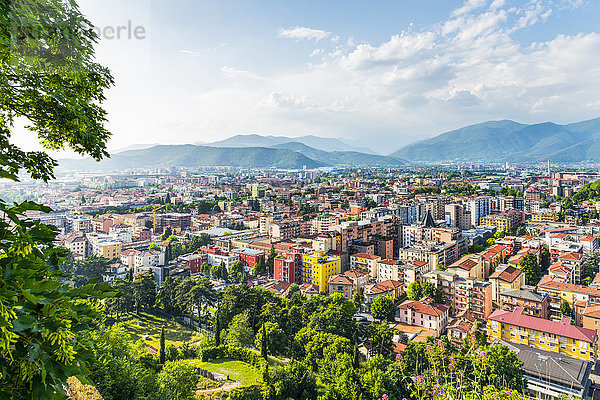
{"x": 161, "y": 355}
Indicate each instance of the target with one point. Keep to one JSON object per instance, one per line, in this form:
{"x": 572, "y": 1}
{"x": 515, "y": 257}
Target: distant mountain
{"x": 316, "y": 142}
{"x": 188, "y": 155}
{"x": 341, "y": 157}
{"x": 510, "y": 141}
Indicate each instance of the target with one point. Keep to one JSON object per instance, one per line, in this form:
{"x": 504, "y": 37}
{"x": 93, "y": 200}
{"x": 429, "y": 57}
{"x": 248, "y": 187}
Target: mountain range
{"x": 290, "y": 155}
{"x": 509, "y": 141}
{"x": 316, "y": 142}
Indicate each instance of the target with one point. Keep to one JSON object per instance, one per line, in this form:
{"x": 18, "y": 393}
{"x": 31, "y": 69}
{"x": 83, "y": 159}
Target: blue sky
{"x": 379, "y": 73}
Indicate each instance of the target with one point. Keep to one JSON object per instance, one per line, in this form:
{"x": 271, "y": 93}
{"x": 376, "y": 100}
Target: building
{"x": 432, "y": 254}
{"x": 341, "y": 284}
{"x": 544, "y": 217}
{"x": 505, "y": 277}
{"x": 504, "y": 221}
{"x": 178, "y": 222}
{"x": 552, "y": 377}
{"x": 318, "y": 267}
{"x": 358, "y": 277}
{"x": 478, "y": 207}
{"x": 554, "y": 336}
{"x": 424, "y": 313}
{"x": 78, "y": 245}
{"x": 390, "y": 269}
{"x": 394, "y": 289}
{"x": 457, "y": 216}
{"x": 284, "y": 230}
{"x": 469, "y": 266}
{"x": 365, "y": 262}
{"x": 461, "y": 327}
{"x": 533, "y": 304}
{"x": 249, "y": 257}
{"x": 106, "y": 248}
{"x": 568, "y": 292}
{"x": 288, "y": 266}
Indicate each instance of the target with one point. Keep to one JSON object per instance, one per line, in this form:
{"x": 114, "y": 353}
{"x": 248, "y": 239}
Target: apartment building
{"x": 178, "y": 222}
{"x": 432, "y": 254}
{"x": 544, "y": 217}
{"x": 504, "y": 221}
{"x": 469, "y": 266}
{"x": 458, "y": 216}
{"x": 554, "y": 336}
{"x": 424, "y": 313}
{"x": 249, "y": 257}
{"x": 284, "y": 230}
{"x": 569, "y": 292}
{"x": 365, "y": 262}
{"x": 319, "y": 267}
{"x": 79, "y": 246}
{"x": 341, "y": 284}
{"x": 478, "y": 207}
{"x": 533, "y": 303}
{"x": 390, "y": 269}
{"x": 106, "y": 248}
{"x": 505, "y": 277}
{"x": 288, "y": 266}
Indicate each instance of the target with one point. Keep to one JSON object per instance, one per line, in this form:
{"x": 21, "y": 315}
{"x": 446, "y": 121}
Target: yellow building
{"x": 108, "y": 249}
{"x": 544, "y": 217}
{"x": 555, "y": 336}
{"x": 319, "y": 267}
{"x": 502, "y": 222}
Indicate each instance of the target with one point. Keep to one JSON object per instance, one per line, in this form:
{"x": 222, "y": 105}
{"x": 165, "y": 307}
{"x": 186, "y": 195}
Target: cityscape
{"x": 322, "y": 263}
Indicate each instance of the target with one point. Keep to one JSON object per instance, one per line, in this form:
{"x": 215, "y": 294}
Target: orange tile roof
{"x": 509, "y": 274}
{"x": 432, "y": 309}
{"x": 365, "y": 255}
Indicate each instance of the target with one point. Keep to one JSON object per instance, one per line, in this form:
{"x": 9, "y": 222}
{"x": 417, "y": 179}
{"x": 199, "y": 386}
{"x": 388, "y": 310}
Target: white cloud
{"x": 231, "y": 72}
{"x": 303, "y": 33}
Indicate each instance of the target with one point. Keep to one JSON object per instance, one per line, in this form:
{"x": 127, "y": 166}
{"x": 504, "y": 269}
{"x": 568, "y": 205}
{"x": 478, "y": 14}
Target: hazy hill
{"x": 316, "y": 142}
{"x": 341, "y": 157}
{"x": 511, "y": 141}
{"x": 191, "y": 156}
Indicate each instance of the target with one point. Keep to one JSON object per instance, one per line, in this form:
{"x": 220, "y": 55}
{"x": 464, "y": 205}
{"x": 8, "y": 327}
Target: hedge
{"x": 232, "y": 352}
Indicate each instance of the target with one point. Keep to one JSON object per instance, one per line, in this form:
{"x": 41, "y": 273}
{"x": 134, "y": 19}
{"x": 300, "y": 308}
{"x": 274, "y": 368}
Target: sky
{"x": 379, "y": 74}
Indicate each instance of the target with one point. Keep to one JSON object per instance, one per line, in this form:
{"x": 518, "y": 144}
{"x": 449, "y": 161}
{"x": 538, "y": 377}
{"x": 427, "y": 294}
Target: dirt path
{"x": 226, "y": 387}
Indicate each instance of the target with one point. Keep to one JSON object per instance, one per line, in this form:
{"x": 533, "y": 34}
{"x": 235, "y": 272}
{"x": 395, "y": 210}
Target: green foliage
{"x": 239, "y": 332}
{"x": 293, "y": 381}
{"x": 530, "y": 267}
{"x": 275, "y": 341}
{"x": 383, "y": 308}
{"x": 237, "y": 270}
{"x": 82, "y": 271}
{"x": 430, "y": 290}
{"x": 144, "y": 291}
{"x": 414, "y": 291}
{"x": 235, "y": 353}
{"x": 565, "y": 309}
{"x": 44, "y": 325}
{"x": 177, "y": 380}
{"x": 381, "y": 339}
{"x": 334, "y": 316}
{"x": 314, "y": 346}
{"x": 161, "y": 354}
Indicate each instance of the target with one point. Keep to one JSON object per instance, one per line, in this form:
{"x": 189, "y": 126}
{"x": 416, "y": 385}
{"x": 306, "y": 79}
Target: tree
{"x": 202, "y": 292}
{"x": 544, "y": 260}
{"x": 383, "y": 308}
{"x": 275, "y": 341}
{"x": 334, "y": 316}
{"x": 381, "y": 338}
{"x": 293, "y": 381}
{"x": 237, "y": 270}
{"x": 430, "y": 290}
{"x": 83, "y": 270}
{"x": 166, "y": 297}
{"x": 565, "y": 309}
{"x": 161, "y": 355}
{"x": 271, "y": 260}
{"x": 499, "y": 234}
{"x": 530, "y": 267}
{"x": 144, "y": 291}
{"x": 219, "y": 271}
{"x": 49, "y": 81}
{"x": 177, "y": 380}
{"x": 167, "y": 232}
{"x": 239, "y": 332}
{"x": 259, "y": 268}
{"x": 358, "y": 299}
{"x": 205, "y": 269}
{"x": 414, "y": 291}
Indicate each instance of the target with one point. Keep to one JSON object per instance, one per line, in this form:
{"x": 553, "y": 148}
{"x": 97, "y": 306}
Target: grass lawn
{"x": 148, "y": 324}
{"x": 238, "y": 371}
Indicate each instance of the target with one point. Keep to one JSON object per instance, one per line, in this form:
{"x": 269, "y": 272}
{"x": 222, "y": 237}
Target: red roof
{"x": 427, "y": 308}
{"x": 562, "y": 328}
{"x": 365, "y": 255}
